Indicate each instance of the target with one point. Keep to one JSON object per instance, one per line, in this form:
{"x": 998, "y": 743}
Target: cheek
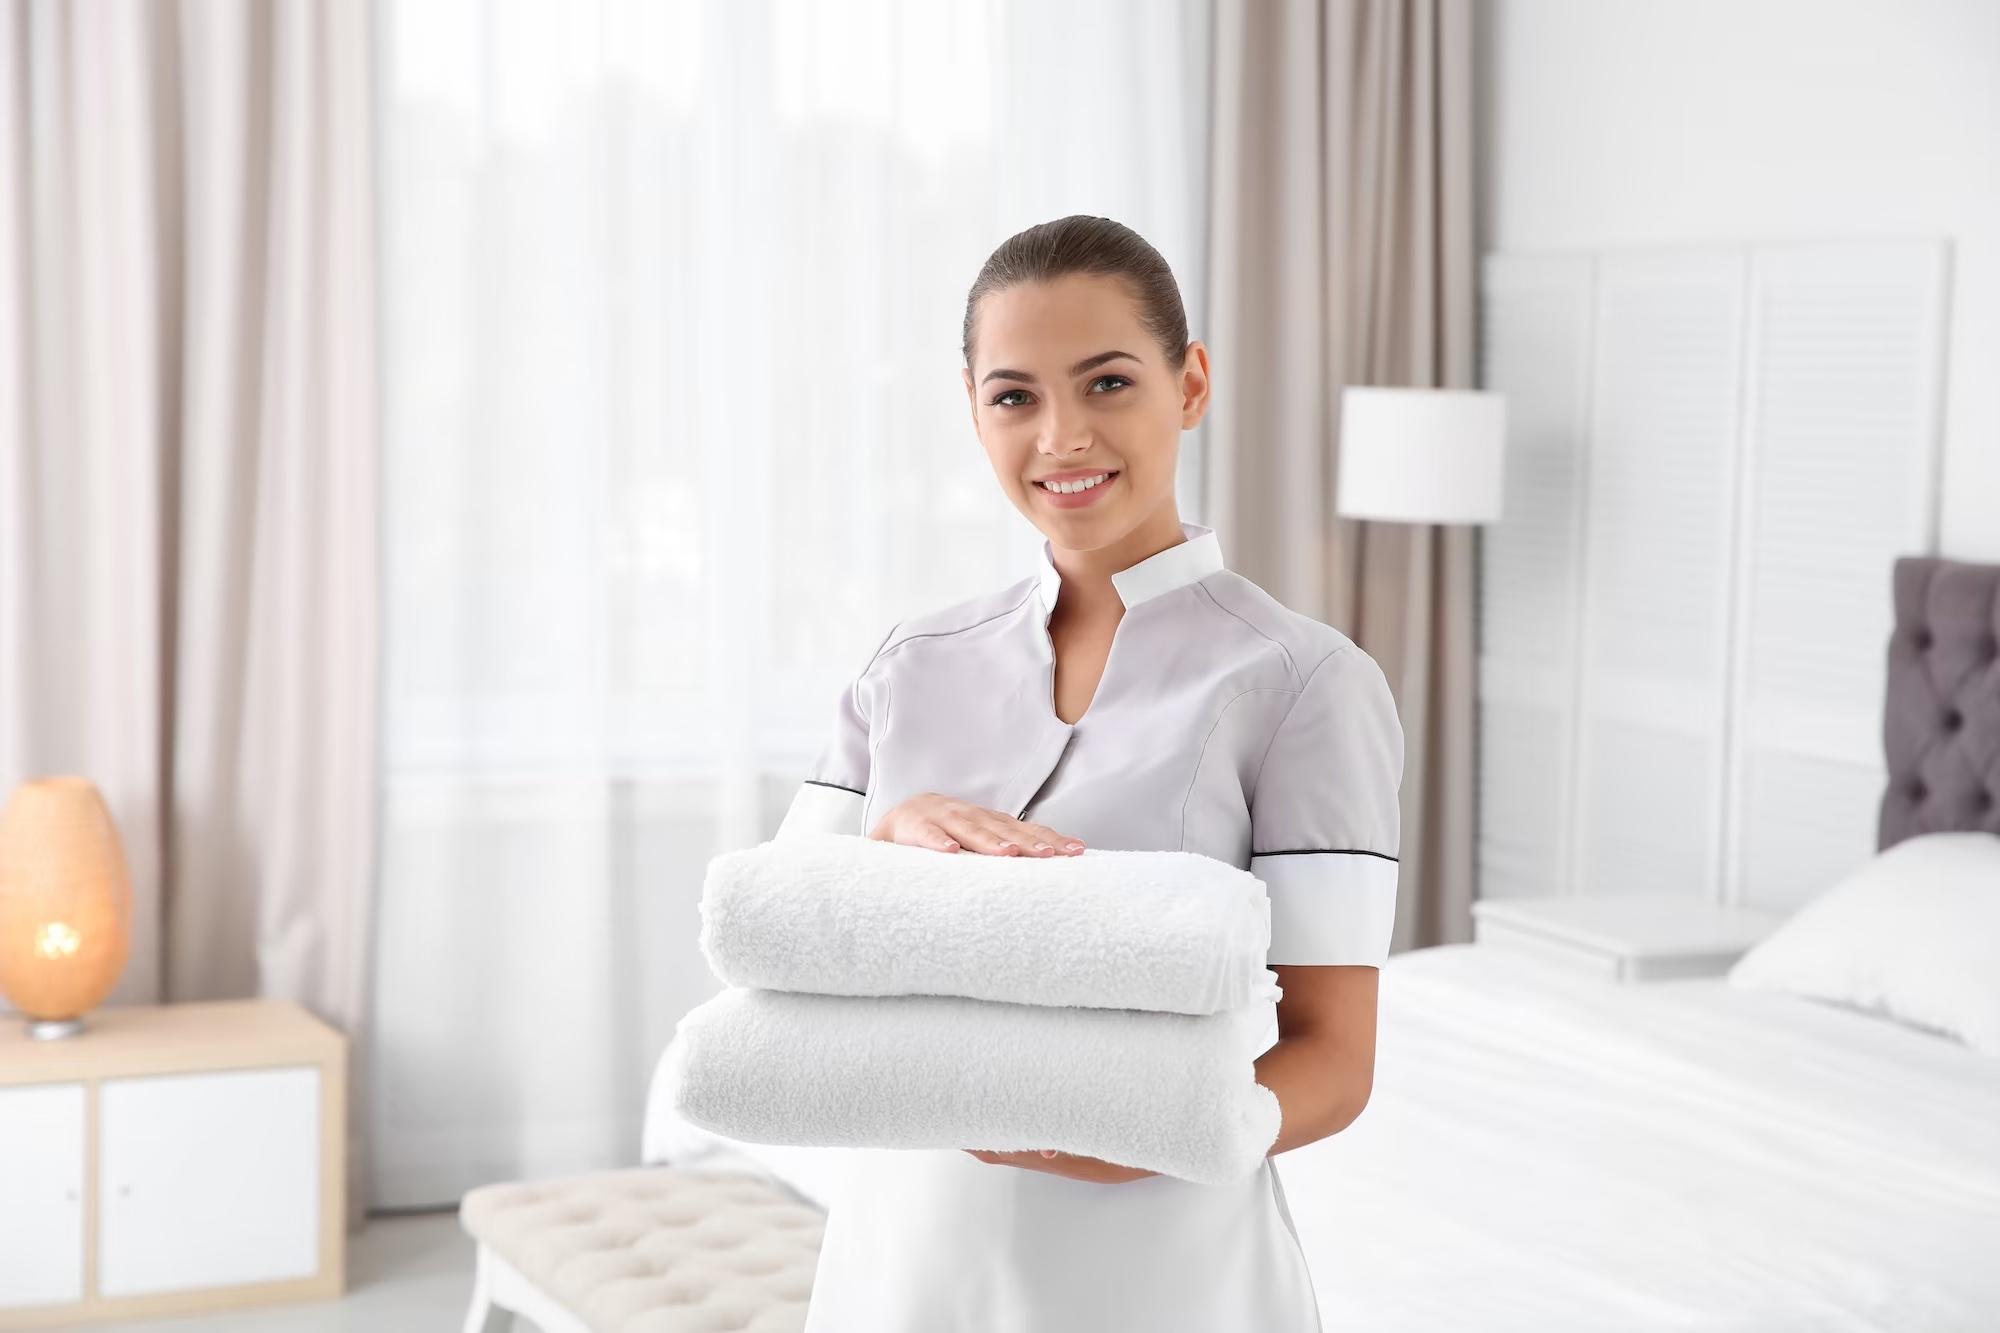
{"x": 1151, "y": 449}
{"x": 1007, "y": 447}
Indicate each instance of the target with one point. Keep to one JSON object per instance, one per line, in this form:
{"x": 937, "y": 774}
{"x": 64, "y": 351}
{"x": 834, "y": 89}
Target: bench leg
{"x": 484, "y": 1316}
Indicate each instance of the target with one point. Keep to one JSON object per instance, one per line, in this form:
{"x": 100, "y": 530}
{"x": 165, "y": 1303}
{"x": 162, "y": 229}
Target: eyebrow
{"x": 1088, "y": 363}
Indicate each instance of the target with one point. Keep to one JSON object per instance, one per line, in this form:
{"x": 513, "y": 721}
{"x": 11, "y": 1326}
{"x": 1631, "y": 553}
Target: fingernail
{"x": 1074, "y": 846}
{"x": 1048, "y": 1152}
{"x": 1010, "y": 846}
{"x": 1043, "y": 847}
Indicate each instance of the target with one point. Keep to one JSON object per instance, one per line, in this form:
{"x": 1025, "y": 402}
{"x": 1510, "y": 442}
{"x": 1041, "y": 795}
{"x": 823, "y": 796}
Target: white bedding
{"x": 1547, "y": 1150}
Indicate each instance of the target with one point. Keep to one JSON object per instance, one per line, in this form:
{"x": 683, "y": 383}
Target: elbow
{"x": 1359, "y": 1103}
{"x": 1350, "y": 1099}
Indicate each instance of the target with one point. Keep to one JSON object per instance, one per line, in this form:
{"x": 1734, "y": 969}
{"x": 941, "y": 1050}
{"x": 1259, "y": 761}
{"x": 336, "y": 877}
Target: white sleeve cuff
{"x": 820, "y": 808}
{"x": 1329, "y": 907}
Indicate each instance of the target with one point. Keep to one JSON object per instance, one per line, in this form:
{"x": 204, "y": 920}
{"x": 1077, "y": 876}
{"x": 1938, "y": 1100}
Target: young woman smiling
{"x": 1129, "y": 691}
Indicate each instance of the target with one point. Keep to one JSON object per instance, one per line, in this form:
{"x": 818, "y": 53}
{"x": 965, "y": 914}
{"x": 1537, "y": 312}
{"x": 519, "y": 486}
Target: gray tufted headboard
{"x": 1941, "y": 716}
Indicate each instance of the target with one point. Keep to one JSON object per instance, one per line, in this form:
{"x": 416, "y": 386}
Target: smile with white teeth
{"x": 1072, "y": 487}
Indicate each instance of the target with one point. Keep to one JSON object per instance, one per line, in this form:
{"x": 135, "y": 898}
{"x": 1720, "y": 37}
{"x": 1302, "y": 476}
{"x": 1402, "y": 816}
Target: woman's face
{"x": 1066, "y": 382}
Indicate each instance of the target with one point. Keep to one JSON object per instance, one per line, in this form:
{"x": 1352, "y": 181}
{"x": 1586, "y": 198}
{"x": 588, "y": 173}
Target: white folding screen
{"x": 1840, "y": 478}
{"x": 1658, "y": 496}
{"x": 1713, "y": 457}
{"x": 1534, "y": 341}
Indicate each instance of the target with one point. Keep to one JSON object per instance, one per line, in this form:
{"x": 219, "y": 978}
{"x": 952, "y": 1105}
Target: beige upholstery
{"x": 655, "y": 1250}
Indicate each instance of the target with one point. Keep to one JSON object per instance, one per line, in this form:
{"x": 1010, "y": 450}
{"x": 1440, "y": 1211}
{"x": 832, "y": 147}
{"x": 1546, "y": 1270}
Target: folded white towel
{"x": 1174, "y": 1093}
{"x": 840, "y": 914}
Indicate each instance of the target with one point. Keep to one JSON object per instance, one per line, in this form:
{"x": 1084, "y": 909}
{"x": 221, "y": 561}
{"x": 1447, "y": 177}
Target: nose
{"x": 1064, "y": 432}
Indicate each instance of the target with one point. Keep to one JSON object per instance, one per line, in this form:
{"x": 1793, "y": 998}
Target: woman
{"x": 1130, "y": 692}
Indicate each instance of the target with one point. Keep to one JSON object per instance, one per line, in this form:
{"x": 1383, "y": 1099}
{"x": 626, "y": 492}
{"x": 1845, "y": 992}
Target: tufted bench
{"x": 647, "y": 1249}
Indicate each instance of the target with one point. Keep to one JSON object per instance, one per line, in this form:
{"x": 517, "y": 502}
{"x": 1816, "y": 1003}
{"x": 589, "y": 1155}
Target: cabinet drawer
{"x": 208, "y": 1180}
{"x": 41, "y": 1194}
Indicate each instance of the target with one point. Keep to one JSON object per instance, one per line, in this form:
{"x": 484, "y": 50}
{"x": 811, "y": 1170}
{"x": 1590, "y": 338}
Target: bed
{"x": 1545, "y": 1150}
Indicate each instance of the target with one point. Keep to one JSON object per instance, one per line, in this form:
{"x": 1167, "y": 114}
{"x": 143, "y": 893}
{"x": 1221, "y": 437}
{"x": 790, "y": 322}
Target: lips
{"x": 1078, "y": 499}
{"x": 1109, "y": 475}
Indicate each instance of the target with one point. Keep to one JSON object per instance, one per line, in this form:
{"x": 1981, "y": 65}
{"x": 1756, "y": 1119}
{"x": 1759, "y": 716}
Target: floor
{"x": 406, "y": 1273}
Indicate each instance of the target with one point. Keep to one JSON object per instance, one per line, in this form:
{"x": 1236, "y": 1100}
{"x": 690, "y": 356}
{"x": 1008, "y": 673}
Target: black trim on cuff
{"x": 815, "y": 782}
{"x": 1326, "y": 851}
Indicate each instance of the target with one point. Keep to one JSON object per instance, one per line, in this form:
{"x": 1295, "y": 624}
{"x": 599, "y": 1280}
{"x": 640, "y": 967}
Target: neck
{"x": 1086, "y": 575}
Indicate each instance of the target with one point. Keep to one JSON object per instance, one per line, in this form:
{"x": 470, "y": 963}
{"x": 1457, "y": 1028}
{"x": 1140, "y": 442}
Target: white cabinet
{"x": 42, "y": 1131}
{"x": 169, "y": 1159}
{"x": 208, "y": 1180}
{"x": 1624, "y": 936}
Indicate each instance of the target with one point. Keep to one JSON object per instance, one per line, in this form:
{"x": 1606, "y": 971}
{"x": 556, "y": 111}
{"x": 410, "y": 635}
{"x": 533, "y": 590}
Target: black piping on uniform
{"x": 1326, "y": 851}
{"x": 835, "y": 785}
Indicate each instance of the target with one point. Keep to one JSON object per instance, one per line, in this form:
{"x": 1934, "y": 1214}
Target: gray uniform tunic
{"x": 1224, "y": 723}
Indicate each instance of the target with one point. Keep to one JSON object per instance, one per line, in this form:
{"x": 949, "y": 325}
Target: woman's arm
{"x": 1323, "y": 1066}
{"x": 1326, "y": 825}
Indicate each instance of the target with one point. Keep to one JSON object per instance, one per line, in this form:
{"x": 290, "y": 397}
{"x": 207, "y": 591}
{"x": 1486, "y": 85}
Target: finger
{"x": 978, "y": 835}
{"x": 935, "y": 836}
{"x": 1007, "y": 835}
{"x": 1007, "y": 840}
{"x": 1063, "y": 843}
{"x": 1033, "y": 839}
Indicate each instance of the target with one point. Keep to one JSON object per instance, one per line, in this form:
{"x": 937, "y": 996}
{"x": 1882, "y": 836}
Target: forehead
{"x": 1037, "y": 325}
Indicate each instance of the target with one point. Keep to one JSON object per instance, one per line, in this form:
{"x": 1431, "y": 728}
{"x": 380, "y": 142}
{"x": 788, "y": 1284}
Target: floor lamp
{"x": 1422, "y": 456}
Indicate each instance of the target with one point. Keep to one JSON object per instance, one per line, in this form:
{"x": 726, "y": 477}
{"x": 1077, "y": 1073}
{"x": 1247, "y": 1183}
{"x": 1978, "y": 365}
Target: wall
{"x": 1622, "y": 122}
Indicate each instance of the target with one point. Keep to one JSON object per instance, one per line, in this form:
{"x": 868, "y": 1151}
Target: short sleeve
{"x": 831, "y": 797}
{"x": 1325, "y": 819}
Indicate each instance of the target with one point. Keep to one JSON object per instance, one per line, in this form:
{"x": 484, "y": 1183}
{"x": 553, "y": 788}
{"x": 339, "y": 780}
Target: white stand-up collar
{"x": 1179, "y": 565}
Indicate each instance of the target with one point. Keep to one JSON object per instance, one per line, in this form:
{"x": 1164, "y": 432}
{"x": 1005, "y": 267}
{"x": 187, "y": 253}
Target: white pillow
{"x": 1913, "y": 934}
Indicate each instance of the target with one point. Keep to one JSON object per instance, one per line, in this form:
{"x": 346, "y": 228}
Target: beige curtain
{"x": 1341, "y": 252}
{"x": 188, "y": 476}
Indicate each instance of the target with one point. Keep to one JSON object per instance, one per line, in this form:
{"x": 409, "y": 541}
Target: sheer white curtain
{"x": 671, "y": 296}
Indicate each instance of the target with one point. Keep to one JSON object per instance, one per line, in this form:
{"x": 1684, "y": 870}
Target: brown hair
{"x": 1081, "y": 244}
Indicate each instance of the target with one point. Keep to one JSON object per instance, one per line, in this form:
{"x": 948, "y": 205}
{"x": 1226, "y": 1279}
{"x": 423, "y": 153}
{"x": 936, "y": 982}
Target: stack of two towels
{"x": 1109, "y": 1004}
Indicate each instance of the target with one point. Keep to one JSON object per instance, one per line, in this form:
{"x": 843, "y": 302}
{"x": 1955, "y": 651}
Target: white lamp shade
{"x": 1421, "y": 455}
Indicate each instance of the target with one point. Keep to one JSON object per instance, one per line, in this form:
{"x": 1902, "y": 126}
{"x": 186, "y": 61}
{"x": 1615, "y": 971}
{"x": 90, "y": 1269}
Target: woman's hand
{"x": 1063, "y": 1164}
{"x": 947, "y": 825}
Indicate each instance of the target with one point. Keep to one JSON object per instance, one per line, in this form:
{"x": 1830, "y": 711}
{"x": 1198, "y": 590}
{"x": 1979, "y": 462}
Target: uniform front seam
{"x": 1285, "y": 1212}
{"x": 962, "y": 629}
{"x": 1221, "y": 713}
{"x": 1290, "y": 665}
{"x": 1258, "y": 777}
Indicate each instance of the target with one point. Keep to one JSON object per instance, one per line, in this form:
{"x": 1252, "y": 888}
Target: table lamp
{"x": 65, "y": 903}
{"x": 1421, "y": 455}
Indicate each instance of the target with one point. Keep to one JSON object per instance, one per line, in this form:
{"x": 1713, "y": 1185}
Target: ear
{"x": 1195, "y": 385}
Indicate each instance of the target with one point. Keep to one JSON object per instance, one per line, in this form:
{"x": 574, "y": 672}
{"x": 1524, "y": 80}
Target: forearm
{"x": 1319, "y": 1092}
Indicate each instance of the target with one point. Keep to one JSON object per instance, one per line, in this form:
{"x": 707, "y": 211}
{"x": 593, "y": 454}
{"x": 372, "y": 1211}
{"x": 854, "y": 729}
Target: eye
{"x": 1001, "y": 399}
{"x": 1101, "y": 378}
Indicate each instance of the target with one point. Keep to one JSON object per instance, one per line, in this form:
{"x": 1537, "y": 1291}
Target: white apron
{"x": 1223, "y": 723}
{"x": 942, "y": 1242}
